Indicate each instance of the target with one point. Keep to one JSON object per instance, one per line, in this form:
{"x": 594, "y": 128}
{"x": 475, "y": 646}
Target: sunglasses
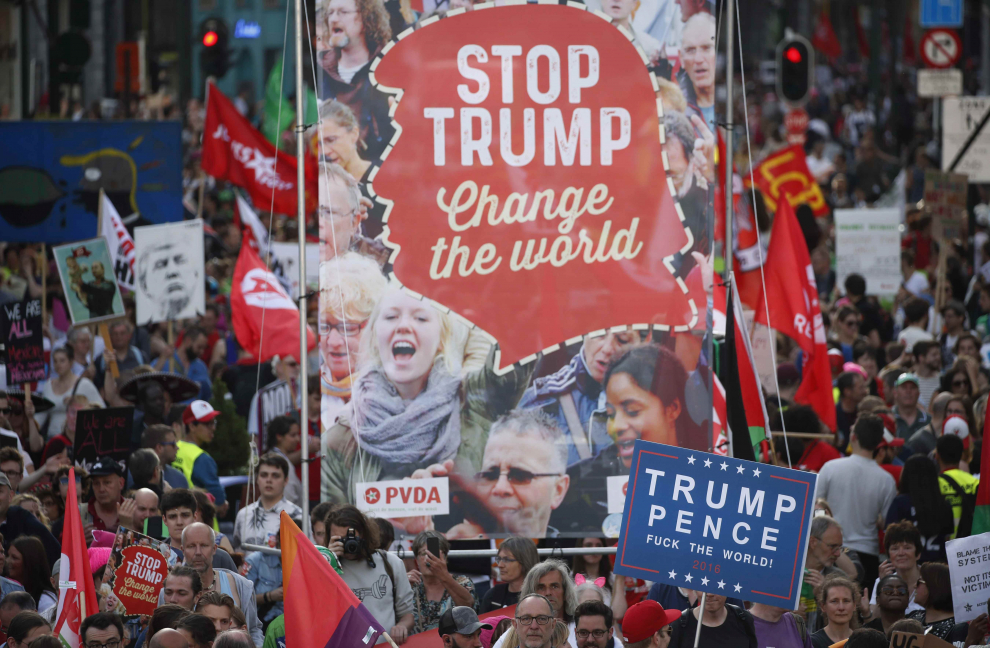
{"x": 960, "y": 383}
{"x": 516, "y": 476}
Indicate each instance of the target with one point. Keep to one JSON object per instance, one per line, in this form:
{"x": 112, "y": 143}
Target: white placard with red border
{"x": 941, "y": 48}
{"x": 404, "y": 497}
{"x": 616, "y": 486}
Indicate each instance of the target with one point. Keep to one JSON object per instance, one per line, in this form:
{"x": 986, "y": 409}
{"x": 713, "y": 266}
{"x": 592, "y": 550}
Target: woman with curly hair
{"x": 839, "y": 600}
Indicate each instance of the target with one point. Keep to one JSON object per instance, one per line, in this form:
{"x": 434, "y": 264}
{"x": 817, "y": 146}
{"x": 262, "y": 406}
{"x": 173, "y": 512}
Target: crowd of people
{"x": 911, "y": 377}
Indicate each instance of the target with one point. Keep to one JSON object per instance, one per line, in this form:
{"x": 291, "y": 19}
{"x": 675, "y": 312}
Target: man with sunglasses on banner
{"x": 195, "y": 463}
{"x": 523, "y": 476}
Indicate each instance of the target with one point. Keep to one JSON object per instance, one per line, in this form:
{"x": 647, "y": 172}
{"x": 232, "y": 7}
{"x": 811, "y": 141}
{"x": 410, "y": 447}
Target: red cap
{"x": 199, "y": 411}
{"x": 645, "y": 619}
{"x": 957, "y": 425}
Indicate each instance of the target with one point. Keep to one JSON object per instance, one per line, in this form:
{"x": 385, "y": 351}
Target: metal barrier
{"x": 476, "y": 553}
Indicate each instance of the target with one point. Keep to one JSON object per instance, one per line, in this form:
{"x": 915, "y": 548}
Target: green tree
{"x": 230, "y": 447}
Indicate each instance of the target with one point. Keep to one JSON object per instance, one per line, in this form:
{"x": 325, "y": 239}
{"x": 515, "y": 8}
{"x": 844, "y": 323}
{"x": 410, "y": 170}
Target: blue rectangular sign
{"x": 716, "y": 524}
{"x": 51, "y": 173}
{"x": 941, "y": 13}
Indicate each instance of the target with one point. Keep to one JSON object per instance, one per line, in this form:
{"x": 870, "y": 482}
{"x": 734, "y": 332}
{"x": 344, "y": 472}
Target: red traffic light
{"x": 210, "y": 38}
{"x": 793, "y": 55}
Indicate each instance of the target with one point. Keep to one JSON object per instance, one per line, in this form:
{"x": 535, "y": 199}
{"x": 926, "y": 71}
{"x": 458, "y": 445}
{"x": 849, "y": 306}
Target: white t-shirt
{"x": 859, "y": 491}
{"x": 347, "y": 73}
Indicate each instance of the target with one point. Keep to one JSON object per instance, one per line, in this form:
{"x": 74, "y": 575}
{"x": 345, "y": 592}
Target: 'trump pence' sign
{"x": 716, "y": 524}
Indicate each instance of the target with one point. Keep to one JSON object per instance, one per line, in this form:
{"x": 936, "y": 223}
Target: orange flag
{"x": 313, "y": 590}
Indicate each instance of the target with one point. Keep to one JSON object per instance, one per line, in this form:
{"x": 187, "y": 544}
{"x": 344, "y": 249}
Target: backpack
{"x": 965, "y": 527}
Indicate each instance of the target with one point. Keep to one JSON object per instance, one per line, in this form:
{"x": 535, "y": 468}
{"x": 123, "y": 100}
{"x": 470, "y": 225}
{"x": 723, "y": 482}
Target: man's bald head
{"x": 168, "y": 638}
{"x": 197, "y": 531}
{"x": 145, "y": 506}
{"x": 233, "y": 639}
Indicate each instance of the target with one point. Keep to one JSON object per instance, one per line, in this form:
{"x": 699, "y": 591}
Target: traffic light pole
{"x": 301, "y": 227}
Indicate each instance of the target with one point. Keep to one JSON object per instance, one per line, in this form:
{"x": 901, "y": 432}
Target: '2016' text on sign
{"x": 716, "y": 524}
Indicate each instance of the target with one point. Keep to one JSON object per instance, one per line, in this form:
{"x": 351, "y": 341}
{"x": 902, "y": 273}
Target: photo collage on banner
{"x": 515, "y": 288}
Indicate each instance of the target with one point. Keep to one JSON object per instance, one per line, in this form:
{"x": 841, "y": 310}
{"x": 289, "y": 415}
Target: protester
{"x": 283, "y": 439}
{"x": 102, "y": 629}
{"x": 107, "y": 482}
{"x": 61, "y": 388}
{"x": 198, "y": 630}
{"x": 264, "y": 570}
{"x": 364, "y": 565}
{"x": 839, "y": 601}
{"x": 161, "y": 439}
{"x": 922, "y": 503}
{"x": 183, "y": 587}
{"x": 25, "y": 628}
{"x": 595, "y": 567}
{"x": 776, "y": 627}
{"x": 178, "y": 508}
{"x": 258, "y": 523}
{"x": 28, "y": 565}
{"x": 861, "y": 492}
{"x": 199, "y": 468}
{"x": 723, "y": 625}
{"x": 516, "y": 556}
{"x": 13, "y": 603}
{"x": 892, "y": 601}
{"x": 648, "y": 625}
{"x": 908, "y": 414}
{"x": 434, "y": 588}
{"x": 218, "y": 608}
{"x": 824, "y": 548}
{"x": 169, "y": 638}
{"x": 185, "y": 360}
{"x": 923, "y": 441}
{"x": 552, "y": 579}
{"x": 934, "y": 593}
{"x": 459, "y": 627}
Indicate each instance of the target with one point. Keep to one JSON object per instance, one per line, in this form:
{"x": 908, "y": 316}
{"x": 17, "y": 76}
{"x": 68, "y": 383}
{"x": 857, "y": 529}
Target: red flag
{"x": 785, "y": 174}
{"x": 864, "y": 43}
{"x": 253, "y": 232}
{"x": 824, "y": 37}
{"x": 255, "y": 294}
{"x": 792, "y": 298}
{"x": 234, "y": 150}
{"x": 76, "y": 592}
{"x": 314, "y": 591}
{"x": 909, "y": 53}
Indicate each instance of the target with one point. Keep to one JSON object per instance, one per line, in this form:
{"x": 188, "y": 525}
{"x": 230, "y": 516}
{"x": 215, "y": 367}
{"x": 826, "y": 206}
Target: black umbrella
{"x": 176, "y": 385}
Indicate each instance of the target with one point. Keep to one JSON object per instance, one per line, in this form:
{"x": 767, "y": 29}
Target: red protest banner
{"x": 139, "y": 579}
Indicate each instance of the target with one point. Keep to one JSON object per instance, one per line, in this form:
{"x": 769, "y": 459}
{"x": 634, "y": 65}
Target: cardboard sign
{"x": 103, "y": 432}
{"x": 617, "y": 486}
{"x": 87, "y": 272}
{"x": 716, "y": 524}
{"x": 969, "y": 572}
{"x": 868, "y": 243}
{"x": 909, "y": 640}
{"x": 170, "y": 272}
{"x": 535, "y": 145}
{"x": 20, "y": 323}
{"x": 945, "y": 197}
{"x": 136, "y": 572}
{"x": 404, "y": 497}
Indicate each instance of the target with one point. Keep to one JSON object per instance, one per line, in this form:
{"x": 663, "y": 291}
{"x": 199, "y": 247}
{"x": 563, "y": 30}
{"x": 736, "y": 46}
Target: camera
{"x": 352, "y": 543}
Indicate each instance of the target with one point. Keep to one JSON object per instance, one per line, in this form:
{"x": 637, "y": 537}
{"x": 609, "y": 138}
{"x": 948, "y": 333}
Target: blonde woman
{"x": 411, "y": 413}
{"x": 32, "y": 504}
{"x": 839, "y": 600}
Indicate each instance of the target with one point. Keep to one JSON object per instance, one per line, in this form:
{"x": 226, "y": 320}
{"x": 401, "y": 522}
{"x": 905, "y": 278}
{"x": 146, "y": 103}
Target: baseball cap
{"x": 460, "y": 620}
{"x": 835, "y": 358}
{"x": 958, "y": 426}
{"x": 106, "y": 466}
{"x": 907, "y": 377}
{"x": 855, "y": 368}
{"x": 889, "y": 440}
{"x": 199, "y": 411}
{"x": 644, "y": 619}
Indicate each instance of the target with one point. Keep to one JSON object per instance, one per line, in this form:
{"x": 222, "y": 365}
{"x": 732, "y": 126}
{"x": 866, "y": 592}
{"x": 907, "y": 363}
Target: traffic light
{"x": 214, "y": 59}
{"x": 795, "y": 70}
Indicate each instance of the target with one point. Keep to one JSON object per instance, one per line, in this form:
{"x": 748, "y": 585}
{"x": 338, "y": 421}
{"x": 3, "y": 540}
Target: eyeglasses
{"x": 174, "y": 444}
{"x": 346, "y": 329}
{"x": 339, "y": 12}
{"x": 516, "y": 476}
{"x": 12, "y": 474}
{"x": 893, "y": 590}
{"x": 832, "y": 547}
{"x": 113, "y": 643}
{"x": 505, "y": 559}
{"x": 542, "y": 619}
{"x": 210, "y": 424}
{"x": 584, "y": 634}
{"x": 326, "y": 212}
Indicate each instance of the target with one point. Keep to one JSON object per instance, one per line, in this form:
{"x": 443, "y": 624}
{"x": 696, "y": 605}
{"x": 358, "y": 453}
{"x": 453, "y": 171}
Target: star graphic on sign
{"x": 738, "y": 587}
{"x": 724, "y": 465}
{"x": 740, "y": 469}
{"x": 672, "y": 574}
{"x": 688, "y": 577}
{"x": 708, "y": 463}
{"x": 969, "y": 607}
{"x": 756, "y": 472}
{"x": 691, "y": 460}
{"x": 704, "y": 581}
{"x": 721, "y": 584}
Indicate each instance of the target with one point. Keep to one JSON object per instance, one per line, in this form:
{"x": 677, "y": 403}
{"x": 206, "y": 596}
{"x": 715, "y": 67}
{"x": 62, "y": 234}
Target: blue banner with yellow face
{"x": 51, "y": 174}
{"x": 716, "y": 524}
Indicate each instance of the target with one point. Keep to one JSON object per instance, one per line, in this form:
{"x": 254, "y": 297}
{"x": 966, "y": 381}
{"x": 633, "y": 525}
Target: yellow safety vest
{"x": 186, "y": 455}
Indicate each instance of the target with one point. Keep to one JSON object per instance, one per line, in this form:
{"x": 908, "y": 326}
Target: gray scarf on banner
{"x": 425, "y": 430}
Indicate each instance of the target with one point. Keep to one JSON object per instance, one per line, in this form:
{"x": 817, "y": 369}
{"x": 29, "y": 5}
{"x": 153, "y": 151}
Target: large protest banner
{"x": 528, "y": 231}
{"x": 20, "y": 330}
{"x": 52, "y": 172}
{"x": 135, "y": 573}
{"x": 969, "y": 572}
{"x": 170, "y": 269}
{"x": 716, "y": 524}
{"x": 868, "y": 243}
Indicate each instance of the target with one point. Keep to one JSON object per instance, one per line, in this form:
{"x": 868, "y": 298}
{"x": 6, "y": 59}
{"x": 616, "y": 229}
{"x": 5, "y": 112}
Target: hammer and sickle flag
{"x": 785, "y": 174}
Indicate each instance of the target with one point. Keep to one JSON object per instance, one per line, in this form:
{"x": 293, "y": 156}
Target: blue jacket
{"x": 265, "y": 571}
{"x": 589, "y": 401}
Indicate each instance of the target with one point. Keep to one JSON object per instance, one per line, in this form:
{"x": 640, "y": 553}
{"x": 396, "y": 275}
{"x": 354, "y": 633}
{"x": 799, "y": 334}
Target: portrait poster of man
{"x": 169, "y": 272}
{"x": 489, "y": 347}
{"x": 91, "y": 291}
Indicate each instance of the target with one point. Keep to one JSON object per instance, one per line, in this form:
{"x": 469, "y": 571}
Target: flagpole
{"x": 730, "y": 42}
{"x": 301, "y": 228}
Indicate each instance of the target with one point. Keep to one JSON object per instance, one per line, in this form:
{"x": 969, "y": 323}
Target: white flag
{"x": 119, "y": 241}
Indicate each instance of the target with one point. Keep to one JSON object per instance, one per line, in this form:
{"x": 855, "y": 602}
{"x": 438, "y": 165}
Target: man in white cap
{"x": 198, "y": 466}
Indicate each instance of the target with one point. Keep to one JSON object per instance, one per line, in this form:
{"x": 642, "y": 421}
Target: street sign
{"x": 941, "y": 48}
{"x": 128, "y": 65}
{"x": 941, "y": 13}
{"x": 966, "y": 137}
{"x": 796, "y": 122}
{"x": 940, "y": 83}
